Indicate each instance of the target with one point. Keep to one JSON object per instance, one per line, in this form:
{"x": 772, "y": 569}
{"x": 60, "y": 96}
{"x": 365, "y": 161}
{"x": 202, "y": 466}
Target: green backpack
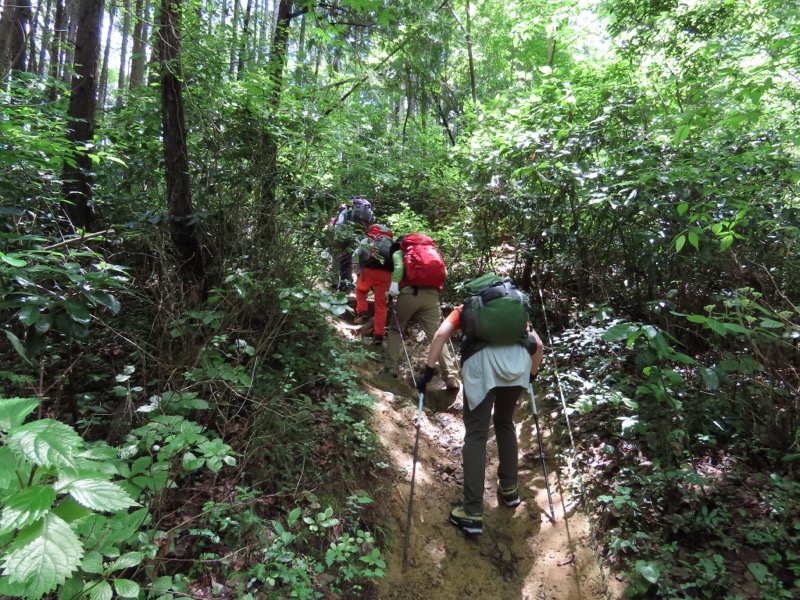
{"x": 495, "y": 311}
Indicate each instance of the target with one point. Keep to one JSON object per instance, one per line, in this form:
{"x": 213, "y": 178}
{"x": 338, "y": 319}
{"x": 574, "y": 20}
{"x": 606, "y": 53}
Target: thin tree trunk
{"x": 19, "y": 34}
{"x": 32, "y": 53}
{"x": 45, "y": 42}
{"x": 234, "y": 37}
{"x": 55, "y": 51}
{"x": 262, "y": 31}
{"x": 6, "y": 26}
{"x": 139, "y": 51}
{"x": 77, "y": 186}
{"x": 245, "y": 39}
{"x": 176, "y": 164}
{"x": 103, "y": 92}
{"x": 73, "y": 9}
{"x": 473, "y": 86}
{"x": 277, "y": 62}
{"x": 123, "y": 56}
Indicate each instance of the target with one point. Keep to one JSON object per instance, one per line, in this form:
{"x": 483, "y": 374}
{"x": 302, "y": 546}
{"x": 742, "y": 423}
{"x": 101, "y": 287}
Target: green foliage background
{"x": 638, "y": 162}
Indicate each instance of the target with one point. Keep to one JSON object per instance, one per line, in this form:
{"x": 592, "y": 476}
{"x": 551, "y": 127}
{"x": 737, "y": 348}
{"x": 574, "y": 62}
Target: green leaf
{"x": 758, "y": 570}
{"x": 43, "y": 556}
{"x": 78, "y": 311}
{"x": 162, "y": 584}
{"x": 26, "y": 506}
{"x": 620, "y": 331}
{"x": 17, "y": 346}
{"x": 14, "y": 262}
{"x": 681, "y": 133}
{"x": 683, "y": 207}
{"x": 99, "y": 590}
{"x": 103, "y": 299}
{"x": 71, "y": 511}
{"x": 72, "y": 589}
{"x": 694, "y": 240}
{"x": 100, "y": 495}
{"x": 771, "y": 324}
{"x": 126, "y": 588}
{"x": 46, "y": 442}
{"x": 679, "y": 243}
{"x": 710, "y": 378}
{"x": 93, "y": 563}
{"x": 736, "y": 328}
{"x": 13, "y": 411}
{"x": 648, "y": 570}
{"x": 129, "y": 559}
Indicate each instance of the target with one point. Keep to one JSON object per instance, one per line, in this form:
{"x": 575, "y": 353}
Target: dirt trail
{"x": 521, "y": 554}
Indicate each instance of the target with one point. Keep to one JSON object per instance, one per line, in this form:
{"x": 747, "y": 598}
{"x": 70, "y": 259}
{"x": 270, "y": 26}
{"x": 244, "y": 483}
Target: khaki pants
{"x": 476, "y": 425}
{"x": 424, "y": 307}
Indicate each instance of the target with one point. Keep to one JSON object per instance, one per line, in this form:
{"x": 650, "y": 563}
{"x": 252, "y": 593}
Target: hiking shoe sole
{"x": 469, "y": 524}
{"x": 510, "y": 497}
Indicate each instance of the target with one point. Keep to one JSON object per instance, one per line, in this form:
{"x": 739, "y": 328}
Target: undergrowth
{"x": 689, "y": 500}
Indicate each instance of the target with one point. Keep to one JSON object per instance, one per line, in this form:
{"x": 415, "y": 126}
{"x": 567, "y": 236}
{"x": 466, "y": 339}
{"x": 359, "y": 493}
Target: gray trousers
{"x": 424, "y": 307}
{"x": 476, "y": 425}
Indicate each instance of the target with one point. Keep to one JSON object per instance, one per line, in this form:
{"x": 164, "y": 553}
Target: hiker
{"x": 351, "y": 221}
{"x": 495, "y": 374}
{"x": 375, "y": 273}
{"x": 417, "y": 278}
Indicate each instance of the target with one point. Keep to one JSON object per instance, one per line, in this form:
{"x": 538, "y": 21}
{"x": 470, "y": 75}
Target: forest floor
{"x": 522, "y": 554}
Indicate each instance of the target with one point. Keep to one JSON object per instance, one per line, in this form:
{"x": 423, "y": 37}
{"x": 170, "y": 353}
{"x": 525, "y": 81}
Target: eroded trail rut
{"x": 521, "y": 555}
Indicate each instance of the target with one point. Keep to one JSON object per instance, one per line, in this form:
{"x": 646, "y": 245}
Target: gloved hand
{"x": 423, "y": 378}
{"x": 394, "y": 289}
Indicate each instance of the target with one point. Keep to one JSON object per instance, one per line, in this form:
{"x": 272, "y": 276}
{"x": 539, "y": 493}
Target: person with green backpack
{"x": 500, "y": 355}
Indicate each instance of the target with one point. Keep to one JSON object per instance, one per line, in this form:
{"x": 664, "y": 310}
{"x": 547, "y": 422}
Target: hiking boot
{"x": 467, "y": 522}
{"x": 360, "y": 318}
{"x": 377, "y": 340}
{"x": 346, "y": 286}
{"x": 451, "y": 383}
{"x": 509, "y": 496}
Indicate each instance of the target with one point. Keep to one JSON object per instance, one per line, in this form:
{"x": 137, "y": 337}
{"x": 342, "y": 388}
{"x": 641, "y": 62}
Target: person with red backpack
{"x": 417, "y": 278}
{"x": 375, "y": 273}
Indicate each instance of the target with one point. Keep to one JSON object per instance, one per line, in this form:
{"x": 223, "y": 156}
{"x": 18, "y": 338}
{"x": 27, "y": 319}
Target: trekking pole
{"x": 552, "y": 515}
{"x": 403, "y": 340}
{"x": 413, "y": 475}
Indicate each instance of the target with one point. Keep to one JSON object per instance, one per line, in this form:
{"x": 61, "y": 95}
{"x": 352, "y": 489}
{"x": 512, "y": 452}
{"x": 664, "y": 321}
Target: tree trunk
{"x": 103, "y": 91}
{"x": 139, "y": 51}
{"x": 55, "y": 49}
{"x": 45, "y": 41}
{"x": 245, "y": 39}
{"x": 82, "y": 107}
{"x": 14, "y": 24}
{"x": 277, "y": 62}
{"x": 123, "y": 57}
{"x": 234, "y": 37}
{"x": 72, "y": 12}
{"x": 33, "y": 54}
{"x": 176, "y": 159}
{"x": 262, "y": 31}
{"x": 6, "y": 25}
{"x": 473, "y": 86}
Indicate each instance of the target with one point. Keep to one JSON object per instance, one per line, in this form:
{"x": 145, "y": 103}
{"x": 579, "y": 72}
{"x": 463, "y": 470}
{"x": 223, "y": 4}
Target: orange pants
{"x": 379, "y": 280}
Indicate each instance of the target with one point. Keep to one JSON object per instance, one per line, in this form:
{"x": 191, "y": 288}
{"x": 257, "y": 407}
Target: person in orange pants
{"x": 375, "y": 274}
{"x": 379, "y": 281}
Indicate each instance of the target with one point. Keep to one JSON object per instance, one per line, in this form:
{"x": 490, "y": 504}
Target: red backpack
{"x": 423, "y": 265}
